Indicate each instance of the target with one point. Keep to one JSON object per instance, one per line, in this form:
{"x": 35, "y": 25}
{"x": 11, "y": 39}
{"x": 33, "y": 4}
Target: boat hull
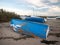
{"x": 38, "y": 29}
{"x": 35, "y": 19}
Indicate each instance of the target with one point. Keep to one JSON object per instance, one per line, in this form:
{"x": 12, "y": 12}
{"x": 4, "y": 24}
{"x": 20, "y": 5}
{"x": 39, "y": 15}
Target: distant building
{"x": 51, "y": 17}
{"x": 58, "y": 17}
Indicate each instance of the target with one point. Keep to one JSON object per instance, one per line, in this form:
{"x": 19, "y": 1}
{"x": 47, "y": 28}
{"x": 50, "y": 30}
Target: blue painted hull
{"x": 39, "y": 30}
{"x": 35, "y": 19}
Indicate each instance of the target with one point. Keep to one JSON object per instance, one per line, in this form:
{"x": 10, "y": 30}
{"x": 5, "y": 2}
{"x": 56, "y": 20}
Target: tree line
{"x": 6, "y": 16}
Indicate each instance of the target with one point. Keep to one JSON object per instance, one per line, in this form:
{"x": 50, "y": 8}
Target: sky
{"x": 32, "y": 7}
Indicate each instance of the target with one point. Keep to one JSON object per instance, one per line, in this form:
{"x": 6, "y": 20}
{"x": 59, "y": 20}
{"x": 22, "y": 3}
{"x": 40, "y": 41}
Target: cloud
{"x": 54, "y": 9}
{"x": 27, "y": 7}
{"x": 53, "y": 1}
{"x": 37, "y": 3}
{"x": 17, "y": 11}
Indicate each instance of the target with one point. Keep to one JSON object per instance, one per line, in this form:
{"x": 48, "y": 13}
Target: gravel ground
{"x": 9, "y": 37}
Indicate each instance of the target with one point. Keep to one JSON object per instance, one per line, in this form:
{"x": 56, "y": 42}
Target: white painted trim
{"x": 47, "y": 32}
{"x": 45, "y": 20}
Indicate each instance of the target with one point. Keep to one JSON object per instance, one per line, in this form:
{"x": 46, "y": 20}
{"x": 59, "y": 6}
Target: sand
{"x": 9, "y": 37}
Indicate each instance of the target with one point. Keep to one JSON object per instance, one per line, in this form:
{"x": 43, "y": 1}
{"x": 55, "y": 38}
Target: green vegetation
{"x": 6, "y": 16}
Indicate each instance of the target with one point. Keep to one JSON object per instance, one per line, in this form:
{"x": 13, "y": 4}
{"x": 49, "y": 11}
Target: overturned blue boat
{"x": 31, "y": 28}
{"x": 36, "y": 19}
